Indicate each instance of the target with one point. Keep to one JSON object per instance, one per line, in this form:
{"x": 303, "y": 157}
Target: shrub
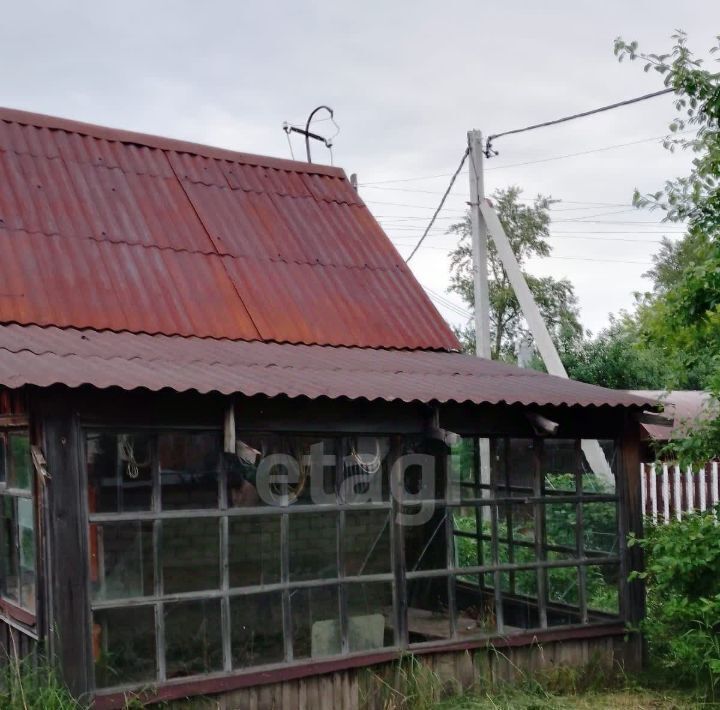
{"x": 682, "y": 625}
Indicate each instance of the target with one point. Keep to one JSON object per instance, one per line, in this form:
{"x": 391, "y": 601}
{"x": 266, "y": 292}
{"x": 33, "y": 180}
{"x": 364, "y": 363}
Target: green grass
{"x": 513, "y": 698}
{"x": 25, "y": 685}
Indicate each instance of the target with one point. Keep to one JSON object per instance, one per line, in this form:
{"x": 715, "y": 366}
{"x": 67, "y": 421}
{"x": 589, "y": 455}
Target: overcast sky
{"x": 406, "y": 80}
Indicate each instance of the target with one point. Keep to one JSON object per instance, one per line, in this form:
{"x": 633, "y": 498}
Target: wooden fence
{"x": 668, "y": 492}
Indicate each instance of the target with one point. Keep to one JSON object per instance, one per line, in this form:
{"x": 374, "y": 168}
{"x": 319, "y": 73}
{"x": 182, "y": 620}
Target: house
{"x": 667, "y": 489}
{"x": 240, "y": 454}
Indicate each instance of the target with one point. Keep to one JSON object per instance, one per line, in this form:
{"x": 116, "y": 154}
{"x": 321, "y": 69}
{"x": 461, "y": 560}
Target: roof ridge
{"x": 40, "y": 120}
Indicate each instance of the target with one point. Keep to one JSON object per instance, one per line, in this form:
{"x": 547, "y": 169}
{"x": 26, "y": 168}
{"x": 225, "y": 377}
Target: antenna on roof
{"x": 290, "y": 128}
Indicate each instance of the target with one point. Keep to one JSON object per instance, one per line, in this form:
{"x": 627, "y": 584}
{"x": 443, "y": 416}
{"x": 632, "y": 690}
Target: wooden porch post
{"x": 68, "y": 622}
{"x": 631, "y": 522}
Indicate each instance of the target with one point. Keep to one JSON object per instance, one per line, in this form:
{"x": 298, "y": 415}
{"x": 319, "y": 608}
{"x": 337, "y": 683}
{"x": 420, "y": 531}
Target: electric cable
{"x": 545, "y": 124}
{"x": 466, "y": 152}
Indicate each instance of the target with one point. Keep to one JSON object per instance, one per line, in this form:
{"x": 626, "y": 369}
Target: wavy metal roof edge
{"x": 121, "y": 135}
{"x": 361, "y": 398}
{"x": 587, "y": 393}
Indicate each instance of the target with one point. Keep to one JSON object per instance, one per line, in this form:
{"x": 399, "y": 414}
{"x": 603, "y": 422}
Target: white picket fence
{"x": 668, "y": 492}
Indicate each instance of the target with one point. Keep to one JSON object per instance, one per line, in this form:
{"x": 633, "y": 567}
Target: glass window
{"x": 315, "y": 615}
{"x": 124, "y": 645}
{"x": 3, "y": 457}
{"x": 254, "y": 554}
{"x": 119, "y": 470}
{"x": 288, "y": 549}
{"x": 428, "y": 615}
{"x": 26, "y": 552}
{"x": 11, "y": 576}
{"x": 190, "y": 554}
{"x": 193, "y": 642}
{"x": 370, "y": 616}
{"x": 121, "y": 560}
{"x": 367, "y": 542}
{"x": 257, "y": 630}
{"x": 313, "y": 546}
{"x": 189, "y": 470}
{"x": 17, "y": 541}
{"x": 20, "y": 465}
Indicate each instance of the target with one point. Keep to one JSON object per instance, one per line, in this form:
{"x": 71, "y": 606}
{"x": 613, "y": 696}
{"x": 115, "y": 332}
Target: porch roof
{"x": 33, "y": 355}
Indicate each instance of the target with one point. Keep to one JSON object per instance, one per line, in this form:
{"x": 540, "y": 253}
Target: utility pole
{"x": 481, "y": 290}
{"x": 479, "y": 247}
{"x": 483, "y": 218}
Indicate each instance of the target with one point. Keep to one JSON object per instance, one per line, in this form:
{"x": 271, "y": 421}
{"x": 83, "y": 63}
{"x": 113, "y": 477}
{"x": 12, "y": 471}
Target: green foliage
{"x": 616, "y": 358}
{"x": 681, "y": 316}
{"x": 33, "y": 685}
{"x": 527, "y": 228}
{"x": 682, "y": 573}
{"x": 600, "y": 534}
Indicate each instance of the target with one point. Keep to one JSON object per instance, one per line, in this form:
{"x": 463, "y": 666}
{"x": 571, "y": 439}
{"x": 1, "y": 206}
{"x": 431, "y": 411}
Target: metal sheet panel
{"x": 45, "y": 356}
{"x": 109, "y": 230}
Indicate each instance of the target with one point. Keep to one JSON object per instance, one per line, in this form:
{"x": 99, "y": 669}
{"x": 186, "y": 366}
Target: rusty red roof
{"x": 45, "y": 356}
{"x": 119, "y": 231}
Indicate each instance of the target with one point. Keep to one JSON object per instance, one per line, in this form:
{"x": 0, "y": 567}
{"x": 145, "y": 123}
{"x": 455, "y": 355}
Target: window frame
{"x": 397, "y": 577}
{"x": 224, "y": 512}
{"x": 10, "y": 608}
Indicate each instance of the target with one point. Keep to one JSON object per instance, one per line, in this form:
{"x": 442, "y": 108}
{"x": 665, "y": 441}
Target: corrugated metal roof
{"x": 45, "y": 356}
{"x": 111, "y": 230}
{"x": 685, "y": 410}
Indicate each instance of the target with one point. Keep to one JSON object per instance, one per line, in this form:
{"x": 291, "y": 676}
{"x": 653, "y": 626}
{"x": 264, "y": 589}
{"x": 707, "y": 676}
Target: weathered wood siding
{"x": 452, "y": 672}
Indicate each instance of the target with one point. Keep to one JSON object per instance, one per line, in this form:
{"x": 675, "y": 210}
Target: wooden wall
{"x": 449, "y": 672}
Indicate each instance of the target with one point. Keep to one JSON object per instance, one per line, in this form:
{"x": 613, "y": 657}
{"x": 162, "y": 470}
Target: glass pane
{"x": 20, "y": 464}
{"x": 425, "y": 536}
{"x": 472, "y": 549}
{"x": 475, "y": 608}
{"x": 561, "y": 530}
{"x": 427, "y": 613}
{"x": 189, "y": 470}
{"x": 257, "y": 630}
{"x": 517, "y": 465}
{"x": 121, "y": 560}
{"x": 193, "y": 642}
{"x": 119, "y": 472}
{"x": 313, "y": 546}
{"x": 560, "y": 461}
{"x": 254, "y": 553}
{"x": 26, "y": 533}
{"x": 269, "y": 467}
{"x": 124, "y": 646}
{"x": 367, "y": 542}
{"x": 463, "y": 458}
{"x": 600, "y": 528}
{"x": 370, "y": 616}
{"x": 603, "y": 583}
{"x": 3, "y": 458}
{"x": 315, "y": 622}
{"x": 363, "y": 476}
{"x": 190, "y": 554}
{"x": 563, "y": 585}
{"x": 519, "y": 601}
{"x": 10, "y": 581}
{"x": 597, "y": 484}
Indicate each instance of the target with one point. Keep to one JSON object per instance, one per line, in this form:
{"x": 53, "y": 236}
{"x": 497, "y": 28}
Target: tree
{"x": 683, "y": 316}
{"x": 616, "y": 357}
{"x": 527, "y": 229}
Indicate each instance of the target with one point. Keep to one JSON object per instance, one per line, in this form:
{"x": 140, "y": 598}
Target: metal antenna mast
{"x": 288, "y": 128}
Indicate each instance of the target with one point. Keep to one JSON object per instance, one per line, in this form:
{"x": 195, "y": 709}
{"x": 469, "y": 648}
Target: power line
{"x": 614, "y": 146}
{"x": 488, "y": 145}
{"x": 466, "y": 152}
{"x": 450, "y": 305}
